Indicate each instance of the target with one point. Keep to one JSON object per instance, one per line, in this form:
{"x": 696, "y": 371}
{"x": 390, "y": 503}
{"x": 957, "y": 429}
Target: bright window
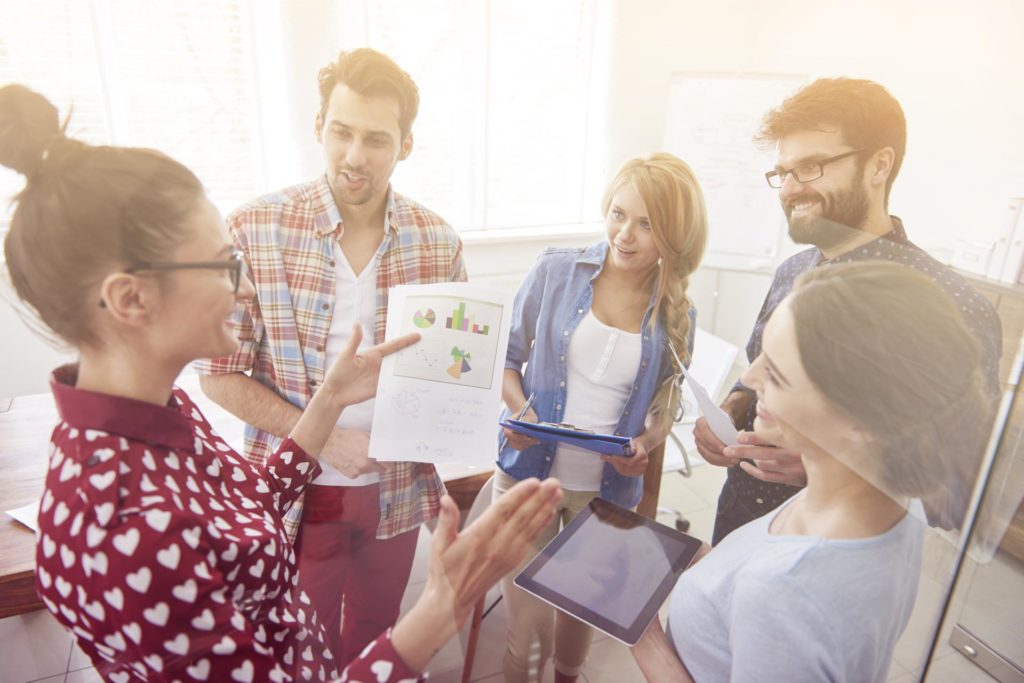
{"x": 177, "y": 77}
{"x": 508, "y": 132}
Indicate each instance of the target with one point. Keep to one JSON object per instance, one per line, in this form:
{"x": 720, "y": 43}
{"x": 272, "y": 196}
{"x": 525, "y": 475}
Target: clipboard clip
{"x": 568, "y": 427}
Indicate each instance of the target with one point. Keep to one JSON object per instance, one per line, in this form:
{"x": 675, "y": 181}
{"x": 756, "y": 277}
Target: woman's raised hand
{"x": 353, "y": 377}
{"x": 464, "y": 565}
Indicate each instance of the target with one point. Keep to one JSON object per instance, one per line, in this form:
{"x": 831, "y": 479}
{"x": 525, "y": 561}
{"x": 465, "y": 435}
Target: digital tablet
{"x": 611, "y": 568}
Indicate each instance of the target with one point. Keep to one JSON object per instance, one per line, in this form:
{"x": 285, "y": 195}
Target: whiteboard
{"x": 710, "y": 124}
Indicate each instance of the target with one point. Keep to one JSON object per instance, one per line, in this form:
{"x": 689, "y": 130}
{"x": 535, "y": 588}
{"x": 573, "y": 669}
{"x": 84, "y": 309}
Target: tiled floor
{"x": 33, "y": 647}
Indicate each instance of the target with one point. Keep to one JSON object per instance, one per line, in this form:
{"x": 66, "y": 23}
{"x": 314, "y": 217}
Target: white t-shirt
{"x": 764, "y": 607}
{"x": 603, "y": 363}
{"x": 355, "y": 300}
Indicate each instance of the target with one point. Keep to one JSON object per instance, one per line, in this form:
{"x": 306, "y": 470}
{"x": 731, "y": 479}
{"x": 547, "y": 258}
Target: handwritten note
{"x": 439, "y": 400}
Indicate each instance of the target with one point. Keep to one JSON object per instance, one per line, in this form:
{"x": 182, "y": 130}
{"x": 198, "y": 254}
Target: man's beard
{"x": 842, "y": 217}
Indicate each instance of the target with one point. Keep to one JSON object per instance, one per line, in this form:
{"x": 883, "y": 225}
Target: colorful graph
{"x": 461, "y": 363}
{"x": 460, "y": 321}
{"x": 458, "y": 340}
{"x": 424, "y": 319}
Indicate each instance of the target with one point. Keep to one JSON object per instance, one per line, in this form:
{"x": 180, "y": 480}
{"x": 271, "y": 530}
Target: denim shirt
{"x": 555, "y": 297}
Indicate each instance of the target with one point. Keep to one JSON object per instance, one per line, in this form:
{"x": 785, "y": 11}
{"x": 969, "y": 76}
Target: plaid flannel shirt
{"x": 287, "y": 238}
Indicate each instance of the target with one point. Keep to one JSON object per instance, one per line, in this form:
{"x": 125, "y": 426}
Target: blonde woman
{"x": 594, "y": 327}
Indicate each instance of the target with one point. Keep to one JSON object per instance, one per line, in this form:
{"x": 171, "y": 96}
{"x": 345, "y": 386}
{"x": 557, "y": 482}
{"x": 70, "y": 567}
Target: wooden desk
{"x": 24, "y": 437}
{"x": 25, "y": 429}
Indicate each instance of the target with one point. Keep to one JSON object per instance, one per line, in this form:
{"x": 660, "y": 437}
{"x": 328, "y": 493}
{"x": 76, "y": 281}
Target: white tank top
{"x": 355, "y": 300}
{"x": 603, "y": 363}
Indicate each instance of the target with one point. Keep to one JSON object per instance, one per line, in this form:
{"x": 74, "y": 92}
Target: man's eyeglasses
{"x": 805, "y": 172}
{"x": 233, "y": 265}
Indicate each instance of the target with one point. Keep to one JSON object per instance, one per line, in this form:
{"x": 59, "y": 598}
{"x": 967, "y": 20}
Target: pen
{"x": 519, "y": 416}
{"x": 526, "y": 406}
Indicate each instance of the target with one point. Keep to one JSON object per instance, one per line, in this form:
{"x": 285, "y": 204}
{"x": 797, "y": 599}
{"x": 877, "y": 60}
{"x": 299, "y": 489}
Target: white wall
{"x": 956, "y": 67}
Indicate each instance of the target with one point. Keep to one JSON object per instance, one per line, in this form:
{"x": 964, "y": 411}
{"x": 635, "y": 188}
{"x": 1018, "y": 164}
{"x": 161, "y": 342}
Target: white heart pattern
{"x": 114, "y": 598}
{"x": 226, "y": 646}
{"x": 158, "y": 520}
{"x": 69, "y": 470}
{"x": 158, "y": 614}
{"x": 204, "y": 622}
{"x": 200, "y": 670}
{"x": 127, "y": 542}
{"x": 139, "y": 581}
{"x": 382, "y": 668}
{"x": 186, "y": 592}
{"x": 154, "y": 662}
{"x": 178, "y": 646}
{"x": 67, "y": 556}
{"x": 134, "y": 632}
{"x": 94, "y": 535}
{"x": 104, "y": 512}
{"x": 63, "y": 587}
{"x": 61, "y": 513}
{"x": 191, "y": 537}
{"x": 102, "y": 481}
{"x": 169, "y": 556}
{"x": 243, "y": 674}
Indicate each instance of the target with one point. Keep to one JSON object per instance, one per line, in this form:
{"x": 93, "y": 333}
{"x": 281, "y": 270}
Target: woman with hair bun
{"x": 161, "y": 549}
{"x": 869, "y": 371}
{"x": 601, "y": 332}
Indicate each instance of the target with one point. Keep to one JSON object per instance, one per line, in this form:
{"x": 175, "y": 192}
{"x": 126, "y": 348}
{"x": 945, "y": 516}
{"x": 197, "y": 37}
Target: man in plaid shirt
{"x": 322, "y": 256}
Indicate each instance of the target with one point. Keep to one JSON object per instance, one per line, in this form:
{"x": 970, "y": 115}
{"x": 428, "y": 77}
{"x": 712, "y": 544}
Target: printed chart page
{"x": 439, "y": 400}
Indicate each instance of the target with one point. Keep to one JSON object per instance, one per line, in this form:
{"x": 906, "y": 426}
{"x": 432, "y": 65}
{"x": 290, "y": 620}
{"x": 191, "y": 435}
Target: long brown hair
{"x": 83, "y": 208}
{"x": 888, "y": 346}
{"x": 679, "y": 226}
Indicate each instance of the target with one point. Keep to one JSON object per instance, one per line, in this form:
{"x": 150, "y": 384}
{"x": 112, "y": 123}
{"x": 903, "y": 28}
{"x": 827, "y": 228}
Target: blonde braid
{"x": 674, "y": 310}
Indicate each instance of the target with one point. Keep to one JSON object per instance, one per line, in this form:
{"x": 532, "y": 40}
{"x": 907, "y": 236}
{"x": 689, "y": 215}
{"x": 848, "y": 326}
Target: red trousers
{"x": 355, "y": 580}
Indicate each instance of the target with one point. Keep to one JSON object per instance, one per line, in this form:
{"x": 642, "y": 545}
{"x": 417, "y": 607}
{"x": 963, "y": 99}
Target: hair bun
{"x": 29, "y": 124}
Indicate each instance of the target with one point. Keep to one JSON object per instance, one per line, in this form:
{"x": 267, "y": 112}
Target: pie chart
{"x": 424, "y": 319}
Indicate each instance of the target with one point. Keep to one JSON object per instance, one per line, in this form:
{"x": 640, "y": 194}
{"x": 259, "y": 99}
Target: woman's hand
{"x": 630, "y": 466}
{"x": 771, "y": 463}
{"x": 464, "y": 565}
{"x": 353, "y": 377}
{"x": 518, "y": 440}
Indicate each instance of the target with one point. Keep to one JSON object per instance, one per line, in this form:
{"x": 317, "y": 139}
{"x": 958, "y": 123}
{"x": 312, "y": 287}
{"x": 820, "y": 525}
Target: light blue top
{"x": 763, "y": 607}
{"x": 554, "y": 298}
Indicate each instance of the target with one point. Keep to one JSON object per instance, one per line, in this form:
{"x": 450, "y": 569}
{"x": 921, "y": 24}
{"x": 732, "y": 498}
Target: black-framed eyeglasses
{"x": 233, "y": 265}
{"x": 805, "y": 172}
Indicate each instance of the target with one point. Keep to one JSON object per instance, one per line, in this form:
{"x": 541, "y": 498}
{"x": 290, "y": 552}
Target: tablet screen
{"x": 611, "y": 568}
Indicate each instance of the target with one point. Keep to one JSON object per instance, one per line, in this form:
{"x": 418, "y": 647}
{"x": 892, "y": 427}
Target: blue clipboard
{"x": 607, "y": 444}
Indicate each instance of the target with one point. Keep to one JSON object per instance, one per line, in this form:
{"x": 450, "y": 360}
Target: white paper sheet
{"x": 718, "y": 420}
{"x": 439, "y": 400}
{"x": 27, "y": 515}
{"x": 712, "y": 361}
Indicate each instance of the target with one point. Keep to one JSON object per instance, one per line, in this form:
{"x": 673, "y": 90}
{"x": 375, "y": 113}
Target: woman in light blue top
{"x": 869, "y": 372}
{"x": 593, "y": 327}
